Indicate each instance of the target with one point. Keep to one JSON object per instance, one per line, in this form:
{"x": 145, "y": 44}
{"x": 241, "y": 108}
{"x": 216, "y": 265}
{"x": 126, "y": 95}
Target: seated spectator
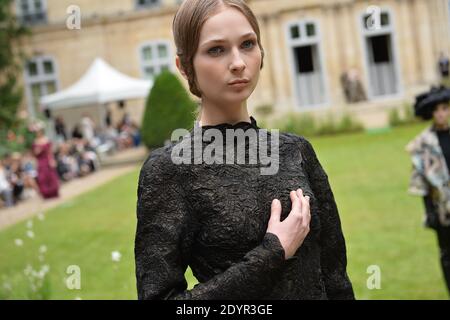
{"x": 29, "y": 175}
{"x": 15, "y": 176}
{"x": 76, "y": 132}
{"x": 86, "y": 156}
{"x": 6, "y": 193}
{"x": 111, "y": 134}
{"x": 66, "y": 164}
{"x": 135, "y": 134}
{"x": 87, "y": 126}
{"x": 125, "y": 137}
{"x": 60, "y": 129}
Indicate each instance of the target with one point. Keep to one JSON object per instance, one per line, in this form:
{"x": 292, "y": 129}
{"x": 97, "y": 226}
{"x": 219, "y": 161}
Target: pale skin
{"x": 237, "y": 56}
{"x": 440, "y": 116}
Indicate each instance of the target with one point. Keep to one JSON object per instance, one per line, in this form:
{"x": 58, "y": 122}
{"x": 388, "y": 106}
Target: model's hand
{"x": 294, "y": 229}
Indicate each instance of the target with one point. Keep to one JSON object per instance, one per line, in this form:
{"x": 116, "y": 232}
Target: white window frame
{"x": 32, "y": 11}
{"x": 156, "y": 61}
{"x": 41, "y": 78}
{"x": 448, "y": 13}
{"x": 147, "y": 6}
{"x": 390, "y": 29}
{"x": 305, "y": 40}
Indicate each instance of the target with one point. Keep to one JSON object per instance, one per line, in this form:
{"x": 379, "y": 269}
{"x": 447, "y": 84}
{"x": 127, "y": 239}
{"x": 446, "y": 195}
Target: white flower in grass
{"x": 43, "y": 249}
{"x": 115, "y": 256}
{"x": 41, "y": 216}
{"x": 30, "y": 224}
{"x": 18, "y": 242}
{"x": 28, "y": 270}
{"x": 30, "y": 234}
{"x": 45, "y": 268}
{"x": 78, "y": 298}
{"x": 7, "y": 286}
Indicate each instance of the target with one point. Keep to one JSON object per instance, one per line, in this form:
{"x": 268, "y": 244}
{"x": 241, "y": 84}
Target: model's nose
{"x": 237, "y": 61}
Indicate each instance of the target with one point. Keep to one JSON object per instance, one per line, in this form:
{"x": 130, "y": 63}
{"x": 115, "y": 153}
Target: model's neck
{"x": 443, "y": 126}
{"x": 213, "y": 114}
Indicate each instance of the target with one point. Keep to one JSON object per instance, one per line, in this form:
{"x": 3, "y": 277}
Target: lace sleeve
{"x": 163, "y": 244}
{"x": 332, "y": 242}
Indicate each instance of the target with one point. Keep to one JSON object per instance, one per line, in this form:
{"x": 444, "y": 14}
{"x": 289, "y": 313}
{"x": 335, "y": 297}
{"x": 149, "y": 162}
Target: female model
{"x": 47, "y": 176}
{"x": 430, "y": 152}
{"x": 244, "y": 235}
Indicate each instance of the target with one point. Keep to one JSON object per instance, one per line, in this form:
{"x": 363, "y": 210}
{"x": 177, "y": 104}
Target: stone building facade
{"x": 391, "y": 46}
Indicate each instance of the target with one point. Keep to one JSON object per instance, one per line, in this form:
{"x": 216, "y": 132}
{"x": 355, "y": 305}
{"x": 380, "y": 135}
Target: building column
{"x": 333, "y": 54}
{"x": 406, "y": 38}
{"x": 422, "y": 30}
{"x": 281, "y": 73}
{"x": 267, "y": 95}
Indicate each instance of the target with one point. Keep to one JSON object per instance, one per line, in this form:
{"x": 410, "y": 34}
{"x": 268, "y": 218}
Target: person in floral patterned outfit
{"x": 430, "y": 179}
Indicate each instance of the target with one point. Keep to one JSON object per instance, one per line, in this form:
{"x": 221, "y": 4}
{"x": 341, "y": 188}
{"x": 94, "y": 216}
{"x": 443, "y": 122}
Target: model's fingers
{"x": 300, "y": 196}
{"x": 300, "y": 193}
{"x": 293, "y": 196}
{"x": 306, "y": 210}
{"x": 296, "y": 211}
{"x": 275, "y": 211}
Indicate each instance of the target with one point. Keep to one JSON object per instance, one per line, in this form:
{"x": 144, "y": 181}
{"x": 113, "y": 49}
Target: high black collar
{"x": 238, "y": 125}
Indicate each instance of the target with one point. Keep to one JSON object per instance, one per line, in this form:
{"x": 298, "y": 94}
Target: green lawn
{"x": 368, "y": 172}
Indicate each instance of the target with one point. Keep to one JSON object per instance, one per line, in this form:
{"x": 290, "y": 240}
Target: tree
{"x": 168, "y": 107}
{"x": 11, "y": 32}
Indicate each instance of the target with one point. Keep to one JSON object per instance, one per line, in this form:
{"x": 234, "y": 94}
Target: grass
{"x": 368, "y": 172}
{"x": 82, "y": 232}
{"x": 382, "y": 223}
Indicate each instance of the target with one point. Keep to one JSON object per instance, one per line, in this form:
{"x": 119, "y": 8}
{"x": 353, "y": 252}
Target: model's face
{"x": 441, "y": 114}
{"x": 236, "y": 55}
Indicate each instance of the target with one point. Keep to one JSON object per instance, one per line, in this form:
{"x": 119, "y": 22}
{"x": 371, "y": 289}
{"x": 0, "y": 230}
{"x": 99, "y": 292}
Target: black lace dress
{"x": 214, "y": 217}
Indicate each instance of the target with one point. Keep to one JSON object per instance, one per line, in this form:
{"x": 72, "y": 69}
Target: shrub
{"x": 264, "y": 110}
{"x": 16, "y": 139}
{"x": 168, "y": 107}
{"x": 306, "y": 125}
{"x": 346, "y": 124}
{"x": 303, "y": 124}
{"x": 394, "y": 117}
{"x": 408, "y": 116}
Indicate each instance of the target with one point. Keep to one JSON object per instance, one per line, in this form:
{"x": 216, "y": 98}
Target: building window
{"x": 32, "y": 12}
{"x": 376, "y": 21}
{"x": 155, "y": 57}
{"x": 40, "y": 79}
{"x": 383, "y": 77}
{"x": 308, "y": 70}
{"x": 147, "y": 3}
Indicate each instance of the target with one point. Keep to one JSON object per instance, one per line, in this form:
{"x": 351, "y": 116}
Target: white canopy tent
{"x": 99, "y": 85}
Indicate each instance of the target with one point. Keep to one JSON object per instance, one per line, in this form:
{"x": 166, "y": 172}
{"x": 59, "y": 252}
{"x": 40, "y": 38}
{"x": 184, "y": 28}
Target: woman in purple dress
{"x": 47, "y": 178}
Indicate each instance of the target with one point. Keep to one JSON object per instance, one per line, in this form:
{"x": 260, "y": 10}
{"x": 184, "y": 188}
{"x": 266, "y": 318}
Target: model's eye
{"x": 215, "y": 50}
{"x": 248, "y": 44}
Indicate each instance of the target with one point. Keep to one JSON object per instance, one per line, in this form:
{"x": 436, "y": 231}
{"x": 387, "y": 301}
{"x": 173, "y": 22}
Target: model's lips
{"x": 239, "y": 85}
{"x": 238, "y": 81}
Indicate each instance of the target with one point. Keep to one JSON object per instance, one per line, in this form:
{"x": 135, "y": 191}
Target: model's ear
{"x": 180, "y": 68}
